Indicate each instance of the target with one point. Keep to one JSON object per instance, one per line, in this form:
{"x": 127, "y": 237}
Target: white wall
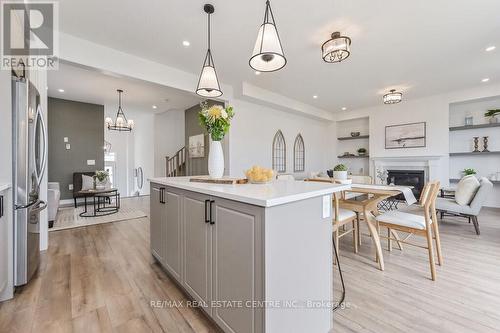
{"x": 253, "y": 129}
{"x": 168, "y": 137}
{"x": 133, "y": 149}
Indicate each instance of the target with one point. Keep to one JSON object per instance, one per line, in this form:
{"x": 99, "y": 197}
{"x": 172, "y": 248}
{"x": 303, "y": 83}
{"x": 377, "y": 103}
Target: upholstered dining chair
{"x": 415, "y": 224}
{"x": 343, "y": 217}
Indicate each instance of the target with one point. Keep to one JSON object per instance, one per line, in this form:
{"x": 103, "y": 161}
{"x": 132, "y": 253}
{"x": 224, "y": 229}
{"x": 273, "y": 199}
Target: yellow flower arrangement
{"x": 215, "y": 119}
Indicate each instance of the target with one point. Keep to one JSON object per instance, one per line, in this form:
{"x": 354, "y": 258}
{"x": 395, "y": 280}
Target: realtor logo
{"x": 28, "y": 35}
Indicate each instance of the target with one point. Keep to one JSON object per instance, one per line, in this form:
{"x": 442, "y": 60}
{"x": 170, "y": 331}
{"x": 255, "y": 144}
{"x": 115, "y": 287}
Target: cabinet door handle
{"x": 162, "y": 195}
{"x": 1, "y": 206}
{"x": 212, "y": 221}
{"x": 206, "y": 215}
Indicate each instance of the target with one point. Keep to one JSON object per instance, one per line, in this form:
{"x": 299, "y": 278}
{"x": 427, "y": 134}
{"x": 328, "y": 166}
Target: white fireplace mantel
{"x": 429, "y": 164}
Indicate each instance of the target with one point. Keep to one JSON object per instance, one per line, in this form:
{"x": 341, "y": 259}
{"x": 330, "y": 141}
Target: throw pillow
{"x": 466, "y": 190}
{"x": 87, "y": 183}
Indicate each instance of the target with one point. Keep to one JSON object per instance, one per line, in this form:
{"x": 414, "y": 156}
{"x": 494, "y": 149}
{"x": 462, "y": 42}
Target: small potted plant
{"x": 492, "y": 114}
{"x": 100, "y": 179}
{"x": 340, "y": 172}
{"x": 362, "y": 151}
{"x": 469, "y": 171}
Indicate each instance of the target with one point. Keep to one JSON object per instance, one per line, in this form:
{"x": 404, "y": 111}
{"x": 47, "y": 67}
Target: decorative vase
{"x": 215, "y": 160}
{"x": 340, "y": 175}
{"x": 485, "y": 144}
{"x": 476, "y": 145}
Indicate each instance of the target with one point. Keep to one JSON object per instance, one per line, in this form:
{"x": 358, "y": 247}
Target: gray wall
{"x": 83, "y": 124}
{"x": 199, "y": 166}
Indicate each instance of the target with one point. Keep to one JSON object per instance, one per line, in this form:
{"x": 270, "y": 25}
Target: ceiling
{"x": 91, "y": 86}
{"x": 419, "y": 47}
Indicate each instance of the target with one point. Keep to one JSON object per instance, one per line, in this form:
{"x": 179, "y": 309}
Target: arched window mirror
{"x": 279, "y": 152}
{"x": 299, "y": 154}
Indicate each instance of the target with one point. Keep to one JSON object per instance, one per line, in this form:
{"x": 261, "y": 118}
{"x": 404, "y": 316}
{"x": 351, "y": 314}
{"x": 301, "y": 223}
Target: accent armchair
{"x": 449, "y": 206}
{"x": 53, "y": 196}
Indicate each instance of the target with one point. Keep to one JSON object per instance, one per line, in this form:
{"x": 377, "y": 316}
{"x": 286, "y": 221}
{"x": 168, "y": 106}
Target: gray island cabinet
{"x": 256, "y": 258}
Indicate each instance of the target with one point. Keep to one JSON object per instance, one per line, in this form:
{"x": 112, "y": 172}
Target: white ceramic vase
{"x": 215, "y": 160}
{"x": 340, "y": 175}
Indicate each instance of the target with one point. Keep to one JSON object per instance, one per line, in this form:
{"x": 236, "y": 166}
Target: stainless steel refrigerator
{"x": 29, "y": 160}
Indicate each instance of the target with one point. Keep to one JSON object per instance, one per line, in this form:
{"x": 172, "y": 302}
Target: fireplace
{"x": 415, "y": 178}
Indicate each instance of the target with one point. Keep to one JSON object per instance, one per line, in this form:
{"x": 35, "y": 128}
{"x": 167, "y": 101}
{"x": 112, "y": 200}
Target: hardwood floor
{"x": 102, "y": 278}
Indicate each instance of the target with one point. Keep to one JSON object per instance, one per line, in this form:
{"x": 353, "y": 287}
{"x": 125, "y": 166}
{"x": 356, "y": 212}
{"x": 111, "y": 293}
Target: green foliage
{"x": 492, "y": 113}
{"x": 215, "y": 119}
{"x": 340, "y": 167}
{"x": 101, "y": 175}
{"x": 469, "y": 171}
{"x": 362, "y": 151}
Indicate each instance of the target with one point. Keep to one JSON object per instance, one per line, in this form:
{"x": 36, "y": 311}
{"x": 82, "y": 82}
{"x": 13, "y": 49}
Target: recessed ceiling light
{"x": 490, "y": 48}
{"x": 486, "y": 79}
{"x": 154, "y": 107}
{"x": 257, "y": 72}
{"x": 315, "y": 96}
{"x": 60, "y": 90}
{"x": 344, "y": 108}
{"x": 186, "y": 43}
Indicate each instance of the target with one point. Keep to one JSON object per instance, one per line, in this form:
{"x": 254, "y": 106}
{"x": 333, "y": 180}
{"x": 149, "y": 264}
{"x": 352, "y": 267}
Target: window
{"x": 279, "y": 152}
{"x": 299, "y": 155}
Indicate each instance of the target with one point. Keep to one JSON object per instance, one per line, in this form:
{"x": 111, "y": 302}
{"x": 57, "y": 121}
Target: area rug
{"x": 69, "y": 217}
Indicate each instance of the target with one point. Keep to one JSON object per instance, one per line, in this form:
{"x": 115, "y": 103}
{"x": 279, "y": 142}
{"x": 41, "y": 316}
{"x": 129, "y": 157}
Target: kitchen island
{"x": 255, "y": 258}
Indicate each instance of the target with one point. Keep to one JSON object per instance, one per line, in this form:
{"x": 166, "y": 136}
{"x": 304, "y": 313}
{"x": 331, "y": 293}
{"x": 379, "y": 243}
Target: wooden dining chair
{"x": 413, "y": 224}
{"x": 343, "y": 217}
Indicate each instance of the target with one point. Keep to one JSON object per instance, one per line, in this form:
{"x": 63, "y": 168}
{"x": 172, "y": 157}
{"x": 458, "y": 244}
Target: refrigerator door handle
{"x": 44, "y": 152}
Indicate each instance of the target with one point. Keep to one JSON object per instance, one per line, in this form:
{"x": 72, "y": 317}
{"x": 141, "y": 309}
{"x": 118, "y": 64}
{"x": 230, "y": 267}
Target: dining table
{"x": 366, "y": 202}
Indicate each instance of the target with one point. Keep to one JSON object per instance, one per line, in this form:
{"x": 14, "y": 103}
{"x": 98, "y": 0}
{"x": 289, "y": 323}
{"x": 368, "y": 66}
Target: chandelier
{"x": 121, "y": 123}
{"x": 393, "y": 97}
{"x": 268, "y": 54}
{"x": 208, "y": 84}
{"x": 336, "y": 49}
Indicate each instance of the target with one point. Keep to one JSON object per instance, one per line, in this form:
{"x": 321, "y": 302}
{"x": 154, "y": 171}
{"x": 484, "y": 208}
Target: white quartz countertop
{"x": 266, "y": 195}
{"x": 4, "y": 186}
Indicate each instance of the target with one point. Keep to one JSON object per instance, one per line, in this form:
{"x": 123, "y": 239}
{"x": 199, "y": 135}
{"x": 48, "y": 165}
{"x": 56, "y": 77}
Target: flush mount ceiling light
{"x": 336, "y": 49}
{"x": 393, "y": 97}
{"x": 268, "y": 54}
{"x": 121, "y": 123}
{"x": 208, "y": 84}
{"x": 490, "y": 48}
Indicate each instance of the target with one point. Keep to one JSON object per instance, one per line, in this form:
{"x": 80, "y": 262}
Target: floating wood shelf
{"x": 353, "y": 137}
{"x": 463, "y": 128}
{"x": 456, "y": 180}
{"x": 476, "y": 154}
{"x": 353, "y": 156}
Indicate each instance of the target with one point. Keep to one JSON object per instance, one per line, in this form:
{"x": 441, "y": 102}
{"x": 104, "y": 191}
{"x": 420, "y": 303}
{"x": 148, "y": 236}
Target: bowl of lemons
{"x": 260, "y": 175}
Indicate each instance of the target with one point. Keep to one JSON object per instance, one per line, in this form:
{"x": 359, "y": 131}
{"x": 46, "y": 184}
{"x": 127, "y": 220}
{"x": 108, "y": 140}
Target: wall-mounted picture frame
{"x": 412, "y": 135}
{"x": 197, "y": 146}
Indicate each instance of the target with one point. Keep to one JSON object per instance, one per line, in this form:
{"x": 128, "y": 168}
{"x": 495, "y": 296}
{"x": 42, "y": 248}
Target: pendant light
{"x": 121, "y": 123}
{"x": 393, "y": 97}
{"x": 336, "y": 49}
{"x": 268, "y": 54}
{"x": 208, "y": 84}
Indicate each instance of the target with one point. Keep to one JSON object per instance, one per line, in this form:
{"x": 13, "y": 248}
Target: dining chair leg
{"x": 395, "y": 235}
{"x": 435, "y": 229}
{"x": 389, "y": 241}
{"x": 355, "y": 235}
{"x": 372, "y": 226}
{"x": 358, "y": 230}
{"x": 431, "y": 254}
